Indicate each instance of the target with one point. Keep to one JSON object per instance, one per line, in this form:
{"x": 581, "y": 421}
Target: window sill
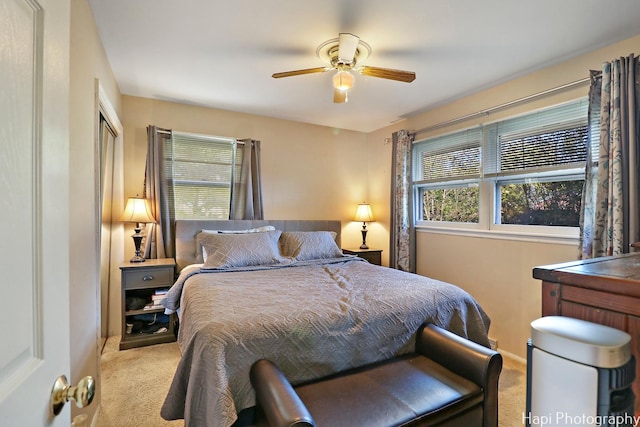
{"x": 523, "y": 236}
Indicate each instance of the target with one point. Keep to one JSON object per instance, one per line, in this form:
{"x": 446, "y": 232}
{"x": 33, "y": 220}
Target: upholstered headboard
{"x": 186, "y": 230}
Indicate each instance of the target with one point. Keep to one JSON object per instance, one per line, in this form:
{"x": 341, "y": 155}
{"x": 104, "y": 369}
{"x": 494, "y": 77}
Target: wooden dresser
{"x": 600, "y": 290}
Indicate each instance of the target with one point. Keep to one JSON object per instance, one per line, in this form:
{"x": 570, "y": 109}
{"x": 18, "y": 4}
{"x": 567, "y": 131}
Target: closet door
{"x": 107, "y": 139}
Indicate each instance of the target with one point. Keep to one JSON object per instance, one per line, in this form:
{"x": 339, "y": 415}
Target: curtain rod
{"x": 169, "y": 132}
{"x": 502, "y": 106}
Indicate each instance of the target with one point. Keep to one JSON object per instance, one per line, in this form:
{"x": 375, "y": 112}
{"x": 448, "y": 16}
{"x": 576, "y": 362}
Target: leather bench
{"x": 448, "y": 381}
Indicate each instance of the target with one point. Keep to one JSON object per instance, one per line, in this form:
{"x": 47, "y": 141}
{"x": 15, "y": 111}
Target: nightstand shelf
{"x": 374, "y": 256}
{"x": 143, "y": 311}
{"x": 140, "y": 282}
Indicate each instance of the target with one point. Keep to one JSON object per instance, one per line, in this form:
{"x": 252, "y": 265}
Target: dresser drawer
{"x": 148, "y": 278}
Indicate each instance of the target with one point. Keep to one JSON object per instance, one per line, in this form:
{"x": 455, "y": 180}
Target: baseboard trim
{"x": 513, "y": 357}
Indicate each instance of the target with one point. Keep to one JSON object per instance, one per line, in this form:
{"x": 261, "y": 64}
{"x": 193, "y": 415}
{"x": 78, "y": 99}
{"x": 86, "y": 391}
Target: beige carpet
{"x": 135, "y": 382}
{"x": 512, "y": 391}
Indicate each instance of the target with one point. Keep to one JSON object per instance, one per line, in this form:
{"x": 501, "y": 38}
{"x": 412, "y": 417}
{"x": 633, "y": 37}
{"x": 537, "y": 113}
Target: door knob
{"x": 82, "y": 394}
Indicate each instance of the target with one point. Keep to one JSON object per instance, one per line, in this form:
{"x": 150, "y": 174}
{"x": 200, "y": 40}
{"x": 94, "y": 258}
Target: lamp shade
{"x": 137, "y": 210}
{"x": 363, "y": 213}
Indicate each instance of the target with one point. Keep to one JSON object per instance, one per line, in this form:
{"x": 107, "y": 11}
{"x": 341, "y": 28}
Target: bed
{"x": 282, "y": 290}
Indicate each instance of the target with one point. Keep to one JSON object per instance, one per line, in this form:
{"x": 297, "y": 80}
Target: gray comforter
{"x": 312, "y": 320}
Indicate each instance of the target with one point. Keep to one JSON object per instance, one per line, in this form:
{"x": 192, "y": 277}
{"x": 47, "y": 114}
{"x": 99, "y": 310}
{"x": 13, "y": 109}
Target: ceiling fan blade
{"x": 300, "y": 72}
{"x": 347, "y": 46}
{"x": 339, "y": 96}
{"x": 388, "y": 73}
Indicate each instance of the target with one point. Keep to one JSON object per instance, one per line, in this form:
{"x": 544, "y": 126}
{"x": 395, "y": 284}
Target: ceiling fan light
{"x": 343, "y": 80}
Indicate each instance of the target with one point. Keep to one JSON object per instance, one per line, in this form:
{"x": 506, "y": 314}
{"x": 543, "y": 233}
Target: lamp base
{"x": 137, "y": 241}
{"x": 364, "y": 236}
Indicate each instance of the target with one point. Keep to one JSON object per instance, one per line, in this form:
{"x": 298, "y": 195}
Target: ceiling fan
{"x": 343, "y": 53}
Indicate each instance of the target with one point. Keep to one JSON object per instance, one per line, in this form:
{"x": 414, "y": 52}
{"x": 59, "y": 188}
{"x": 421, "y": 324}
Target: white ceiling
{"x": 221, "y": 54}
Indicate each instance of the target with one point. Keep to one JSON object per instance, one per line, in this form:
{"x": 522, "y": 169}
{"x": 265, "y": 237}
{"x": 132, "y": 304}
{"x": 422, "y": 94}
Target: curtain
{"x": 610, "y": 219}
{"x": 246, "y": 194}
{"x": 401, "y": 251}
{"x": 246, "y": 197}
{"x": 159, "y": 236}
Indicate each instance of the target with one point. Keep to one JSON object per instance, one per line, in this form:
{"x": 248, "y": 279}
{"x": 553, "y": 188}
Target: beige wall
{"x": 496, "y": 272}
{"x": 308, "y": 171}
{"x": 87, "y": 63}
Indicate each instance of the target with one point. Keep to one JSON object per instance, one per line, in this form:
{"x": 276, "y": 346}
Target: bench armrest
{"x": 466, "y": 358}
{"x": 460, "y": 355}
{"x": 279, "y": 401}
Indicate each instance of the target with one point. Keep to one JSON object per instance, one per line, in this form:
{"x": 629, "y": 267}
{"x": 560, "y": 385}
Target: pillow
{"x": 307, "y": 245}
{"x": 201, "y": 255}
{"x": 226, "y": 250}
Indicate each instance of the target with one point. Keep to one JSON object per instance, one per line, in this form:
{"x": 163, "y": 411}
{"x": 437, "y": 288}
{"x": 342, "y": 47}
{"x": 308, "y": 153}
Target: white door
{"x": 34, "y": 209}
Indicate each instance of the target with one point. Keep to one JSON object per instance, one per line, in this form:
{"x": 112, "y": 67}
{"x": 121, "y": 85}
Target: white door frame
{"x": 105, "y": 107}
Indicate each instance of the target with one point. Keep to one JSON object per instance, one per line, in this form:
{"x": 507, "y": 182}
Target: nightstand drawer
{"x": 148, "y": 278}
{"x": 374, "y": 256}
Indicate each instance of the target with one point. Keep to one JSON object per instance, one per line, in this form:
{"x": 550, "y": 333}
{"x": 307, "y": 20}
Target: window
{"x": 526, "y": 171}
{"x": 524, "y": 194}
{"x": 201, "y": 171}
{"x": 447, "y": 174}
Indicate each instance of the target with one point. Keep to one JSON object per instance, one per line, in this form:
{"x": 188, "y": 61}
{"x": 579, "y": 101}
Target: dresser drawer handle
{"x": 147, "y": 278}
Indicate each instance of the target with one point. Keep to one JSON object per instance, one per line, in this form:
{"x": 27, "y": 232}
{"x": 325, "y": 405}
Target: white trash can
{"x": 579, "y": 373}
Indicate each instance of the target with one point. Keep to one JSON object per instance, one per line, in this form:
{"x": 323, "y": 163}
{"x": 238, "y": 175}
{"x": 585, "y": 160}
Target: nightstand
{"x": 143, "y": 321}
{"x": 374, "y": 256}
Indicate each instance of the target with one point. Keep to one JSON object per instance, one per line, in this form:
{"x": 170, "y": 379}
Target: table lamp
{"x": 137, "y": 211}
{"x": 364, "y": 215}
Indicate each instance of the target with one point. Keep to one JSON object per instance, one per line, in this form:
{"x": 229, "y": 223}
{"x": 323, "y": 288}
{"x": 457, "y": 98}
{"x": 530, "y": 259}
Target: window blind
{"x": 547, "y": 140}
{"x": 447, "y": 158}
{"x": 201, "y": 169}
